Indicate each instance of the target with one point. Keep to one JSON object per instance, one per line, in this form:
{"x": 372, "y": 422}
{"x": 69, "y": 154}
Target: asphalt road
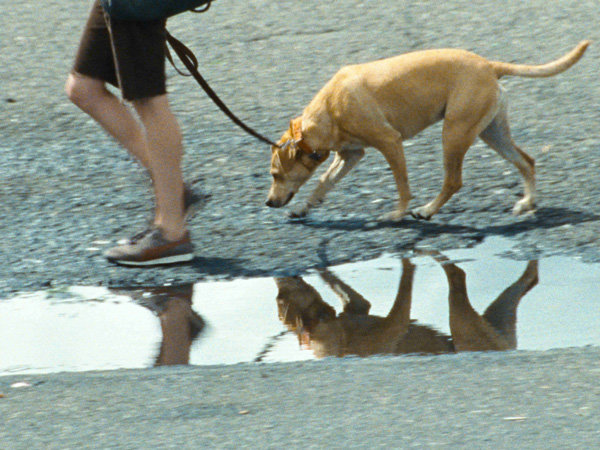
{"x": 66, "y": 190}
{"x": 499, "y": 400}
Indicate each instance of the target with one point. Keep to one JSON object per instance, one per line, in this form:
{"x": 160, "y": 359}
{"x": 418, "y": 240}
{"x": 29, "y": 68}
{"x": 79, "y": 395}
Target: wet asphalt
{"x": 66, "y": 192}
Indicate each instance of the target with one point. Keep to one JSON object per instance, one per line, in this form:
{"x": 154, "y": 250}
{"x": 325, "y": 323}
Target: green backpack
{"x": 144, "y": 10}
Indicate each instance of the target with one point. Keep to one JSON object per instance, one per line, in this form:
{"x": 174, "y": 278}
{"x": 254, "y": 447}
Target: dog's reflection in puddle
{"x": 355, "y": 332}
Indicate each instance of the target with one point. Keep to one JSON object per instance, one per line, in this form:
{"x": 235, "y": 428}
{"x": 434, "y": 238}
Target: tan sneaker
{"x": 192, "y": 201}
{"x": 150, "y": 248}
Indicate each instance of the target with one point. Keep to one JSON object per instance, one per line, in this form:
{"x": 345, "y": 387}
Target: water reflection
{"x": 180, "y": 325}
{"x": 356, "y": 332}
{"x": 232, "y": 321}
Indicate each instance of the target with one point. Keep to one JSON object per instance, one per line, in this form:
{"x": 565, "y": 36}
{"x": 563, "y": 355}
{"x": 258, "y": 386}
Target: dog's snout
{"x": 278, "y": 203}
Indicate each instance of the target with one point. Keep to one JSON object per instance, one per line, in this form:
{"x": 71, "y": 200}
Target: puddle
{"x": 357, "y": 308}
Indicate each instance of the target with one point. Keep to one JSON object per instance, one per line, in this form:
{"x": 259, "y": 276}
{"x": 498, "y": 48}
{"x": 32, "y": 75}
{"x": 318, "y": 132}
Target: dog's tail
{"x": 544, "y": 70}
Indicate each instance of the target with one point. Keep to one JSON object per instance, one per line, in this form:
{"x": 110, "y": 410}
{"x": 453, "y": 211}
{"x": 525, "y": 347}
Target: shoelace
{"x": 141, "y": 235}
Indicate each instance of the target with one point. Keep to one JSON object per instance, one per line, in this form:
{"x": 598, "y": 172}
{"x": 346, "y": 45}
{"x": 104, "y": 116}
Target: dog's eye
{"x": 277, "y": 177}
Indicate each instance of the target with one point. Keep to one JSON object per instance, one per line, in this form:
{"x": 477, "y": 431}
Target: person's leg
{"x": 92, "y": 97}
{"x": 130, "y": 55}
{"x": 168, "y": 242}
{"x": 139, "y": 50}
{"x": 164, "y": 151}
{"x": 93, "y": 68}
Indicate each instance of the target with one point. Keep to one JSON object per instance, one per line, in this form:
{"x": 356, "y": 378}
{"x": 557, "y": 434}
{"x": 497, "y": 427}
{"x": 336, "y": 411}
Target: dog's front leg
{"x": 398, "y": 319}
{"x": 353, "y": 302}
{"x": 393, "y": 152}
{"x": 343, "y": 162}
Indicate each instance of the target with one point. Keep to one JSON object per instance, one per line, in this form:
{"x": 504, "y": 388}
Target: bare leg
{"x": 175, "y": 326}
{"x": 179, "y": 323}
{"x": 156, "y": 143}
{"x": 164, "y": 152}
{"x": 344, "y": 161}
{"x": 92, "y": 97}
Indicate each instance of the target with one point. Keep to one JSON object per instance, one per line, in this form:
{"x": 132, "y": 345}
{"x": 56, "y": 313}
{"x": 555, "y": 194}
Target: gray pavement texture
{"x": 67, "y": 190}
{"x": 479, "y": 400}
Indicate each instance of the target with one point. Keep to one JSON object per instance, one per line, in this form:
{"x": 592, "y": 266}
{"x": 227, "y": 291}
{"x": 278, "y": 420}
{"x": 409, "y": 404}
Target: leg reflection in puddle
{"x": 356, "y": 332}
{"x": 180, "y": 324}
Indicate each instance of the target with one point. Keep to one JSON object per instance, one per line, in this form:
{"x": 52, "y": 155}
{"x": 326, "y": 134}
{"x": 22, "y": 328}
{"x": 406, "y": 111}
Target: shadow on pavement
{"x": 544, "y": 218}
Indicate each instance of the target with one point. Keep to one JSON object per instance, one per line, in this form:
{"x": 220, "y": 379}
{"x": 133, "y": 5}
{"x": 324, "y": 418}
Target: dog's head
{"x": 292, "y": 164}
{"x": 303, "y": 311}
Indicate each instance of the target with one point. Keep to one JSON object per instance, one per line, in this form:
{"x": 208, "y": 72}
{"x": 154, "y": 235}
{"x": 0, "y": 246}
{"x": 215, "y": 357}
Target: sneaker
{"x": 136, "y": 237}
{"x": 150, "y": 248}
{"x": 192, "y": 201}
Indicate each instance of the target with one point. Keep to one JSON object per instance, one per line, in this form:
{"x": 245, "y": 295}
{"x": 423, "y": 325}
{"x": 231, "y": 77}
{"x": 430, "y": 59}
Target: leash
{"x": 190, "y": 61}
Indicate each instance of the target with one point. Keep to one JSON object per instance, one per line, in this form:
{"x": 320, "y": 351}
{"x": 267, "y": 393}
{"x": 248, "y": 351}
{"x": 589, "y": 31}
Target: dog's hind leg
{"x": 343, "y": 162}
{"x": 470, "y": 332}
{"x": 502, "y": 312}
{"x": 456, "y": 143}
{"x": 497, "y": 136}
{"x": 466, "y": 116}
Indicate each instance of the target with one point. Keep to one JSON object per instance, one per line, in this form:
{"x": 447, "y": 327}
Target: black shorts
{"x": 133, "y": 60}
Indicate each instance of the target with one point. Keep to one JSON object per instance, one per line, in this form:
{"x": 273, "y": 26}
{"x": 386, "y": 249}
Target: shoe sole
{"x": 175, "y": 259}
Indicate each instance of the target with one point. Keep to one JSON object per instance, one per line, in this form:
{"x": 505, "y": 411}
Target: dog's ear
{"x": 296, "y": 129}
{"x": 298, "y": 139}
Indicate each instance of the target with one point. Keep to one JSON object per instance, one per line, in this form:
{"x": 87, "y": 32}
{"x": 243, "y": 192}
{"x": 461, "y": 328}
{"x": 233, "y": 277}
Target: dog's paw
{"x": 298, "y": 213}
{"x": 394, "y": 216}
{"x": 420, "y": 214}
{"x": 523, "y": 206}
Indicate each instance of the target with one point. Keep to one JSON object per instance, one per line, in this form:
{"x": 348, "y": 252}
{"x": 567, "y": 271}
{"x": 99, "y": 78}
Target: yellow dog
{"x": 382, "y": 103}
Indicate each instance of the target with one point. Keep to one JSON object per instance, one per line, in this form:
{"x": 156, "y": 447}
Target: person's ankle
{"x": 172, "y": 234}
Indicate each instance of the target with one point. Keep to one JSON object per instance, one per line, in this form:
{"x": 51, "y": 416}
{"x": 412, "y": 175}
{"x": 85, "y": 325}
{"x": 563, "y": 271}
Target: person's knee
{"x": 156, "y": 112}
{"x": 151, "y": 107}
{"x": 82, "y": 90}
